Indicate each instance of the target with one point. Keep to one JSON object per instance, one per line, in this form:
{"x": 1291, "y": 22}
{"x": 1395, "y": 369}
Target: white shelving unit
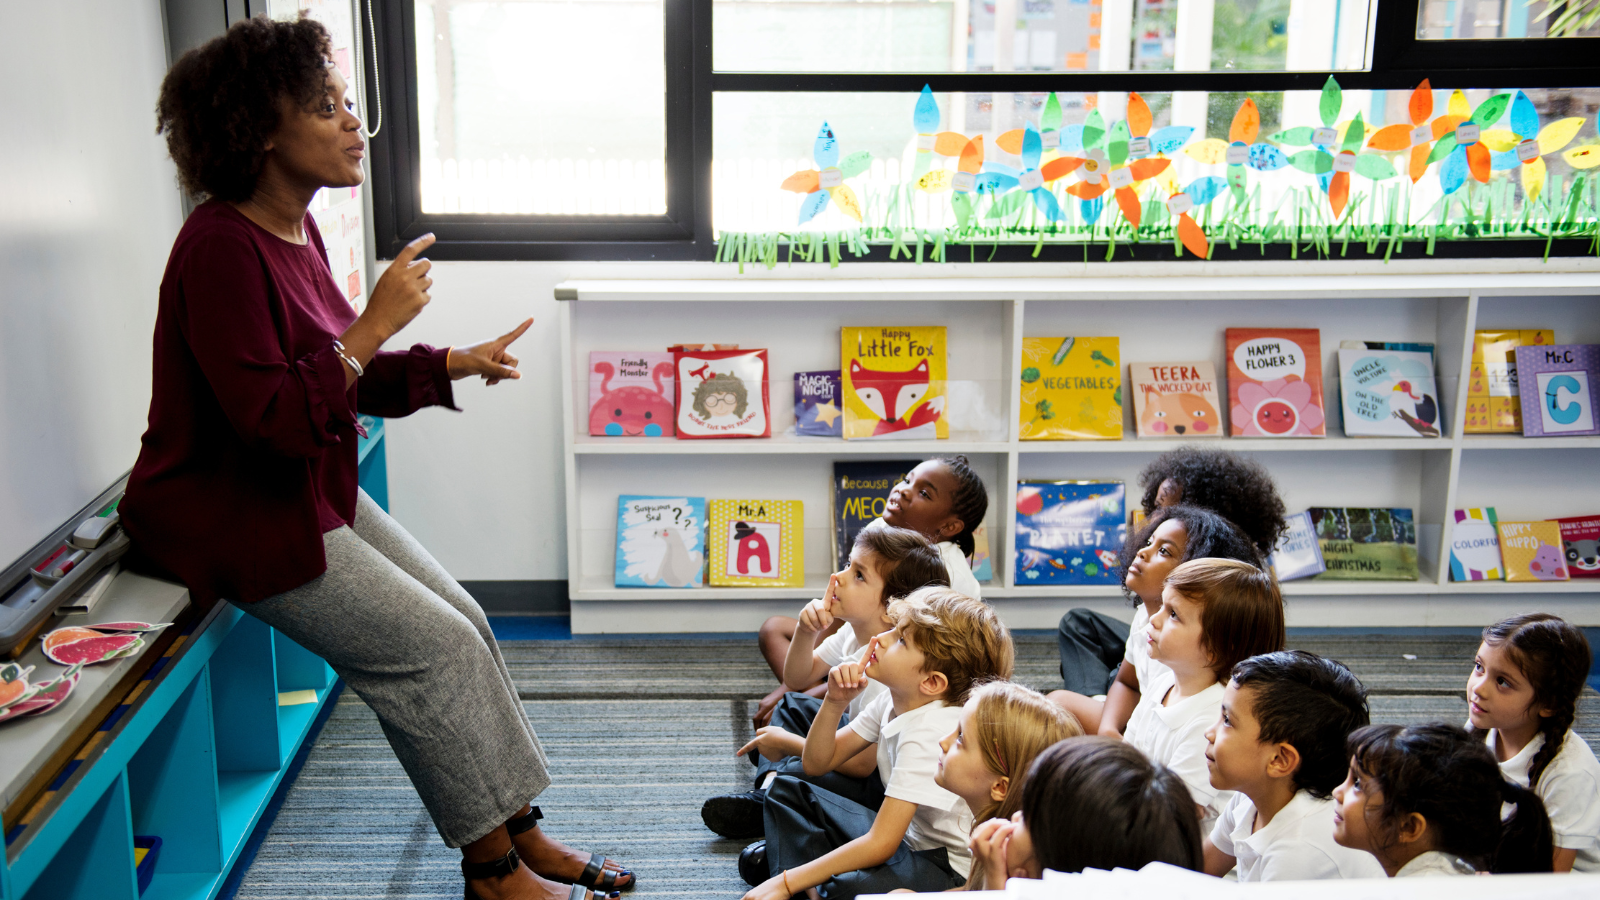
{"x": 1157, "y": 316}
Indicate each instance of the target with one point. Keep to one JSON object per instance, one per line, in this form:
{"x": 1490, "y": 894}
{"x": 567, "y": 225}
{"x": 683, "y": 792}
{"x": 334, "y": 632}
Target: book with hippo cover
{"x": 1532, "y": 550}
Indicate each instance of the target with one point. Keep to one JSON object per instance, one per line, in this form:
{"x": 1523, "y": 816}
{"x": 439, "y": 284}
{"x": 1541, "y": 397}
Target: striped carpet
{"x": 639, "y": 731}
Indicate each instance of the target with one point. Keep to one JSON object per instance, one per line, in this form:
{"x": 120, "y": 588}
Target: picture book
{"x": 630, "y": 394}
{"x": 661, "y": 541}
{"x": 1580, "y": 541}
{"x": 1275, "y": 382}
{"x": 759, "y": 543}
{"x": 1071, "y": 389}
{"x": 859, "y": 490}
{"x": 1493, "y": 404}
{"x": 1069, "y": 532}
{"x": 1175, "y": 400}
{"x": 1412, "y": 346}
{"x": 1389, "y": 393}
{"x": 1360, "y": 544}
{"x": 722, "y": 394}
{"x": 1475, "y": 545}
{"x": 816, "y": 404}
{"x": 1532, "y": 550}
{"x": 1298, "y": 553}
{"x": 893, "y": 383}
{"x": 1557, "y": 384}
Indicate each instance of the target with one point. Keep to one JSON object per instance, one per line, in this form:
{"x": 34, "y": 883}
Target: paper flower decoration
{"x": 1525, "y": 145}
{"x": 1460, "y": 147}
{"x": 1242, "y": 149}
{"x": 1010, "y": 185}
{"x": 1416, "y": 138}
{"x": 1195, "y": 195}
{"x": 1128, "y": 153}
{"x": 1280, "y": 407}
{"x": 826, "y": 181}
{"x": 1349, "y": 160}
{"x": 963, "y": 182}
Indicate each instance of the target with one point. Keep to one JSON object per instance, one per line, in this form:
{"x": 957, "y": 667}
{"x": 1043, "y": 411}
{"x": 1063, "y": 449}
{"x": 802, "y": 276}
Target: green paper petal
{"x": 1442, "y": 148}
{"x": 1294, "y": 137}
{"x": 1354, "y": 135}
{"x": 1314, "y": 161}
{"x": 1051, "y": 117}
{"x": 1375, "y": 167}
{"x": 1332, "y": 101}
{"x": 1490, "y": 110}
{"x": 855, "y": 163}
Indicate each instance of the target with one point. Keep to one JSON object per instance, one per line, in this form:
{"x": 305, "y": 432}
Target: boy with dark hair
{"x": 1280, "y": 743}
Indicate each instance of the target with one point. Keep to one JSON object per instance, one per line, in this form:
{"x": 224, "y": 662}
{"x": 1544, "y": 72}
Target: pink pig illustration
{"x": 632, "y": 411}
{"x": 1547, "y": 565}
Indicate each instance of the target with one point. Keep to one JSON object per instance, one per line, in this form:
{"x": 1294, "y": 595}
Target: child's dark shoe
{"x": 736, "y": 815}
{"x": 753, "y": 864}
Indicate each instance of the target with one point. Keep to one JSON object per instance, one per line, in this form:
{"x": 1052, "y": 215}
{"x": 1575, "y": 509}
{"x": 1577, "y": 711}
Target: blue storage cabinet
{"x": 372, "y": 466}
{"x": 194, "y": 759}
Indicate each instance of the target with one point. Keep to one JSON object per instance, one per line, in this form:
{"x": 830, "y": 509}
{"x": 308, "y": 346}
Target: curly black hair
{"x": 221, "y": 101}
{"x": 1238, "y": 488}
{"x": 1208, "y": 534}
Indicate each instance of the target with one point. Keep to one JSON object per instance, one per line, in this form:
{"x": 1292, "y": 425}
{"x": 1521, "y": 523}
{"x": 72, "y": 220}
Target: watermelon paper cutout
{"x": 14, "y": 684}
{"x": 100, "y": 648}
{"x": 62, "y": 636}
{"x": 43, "y": 697}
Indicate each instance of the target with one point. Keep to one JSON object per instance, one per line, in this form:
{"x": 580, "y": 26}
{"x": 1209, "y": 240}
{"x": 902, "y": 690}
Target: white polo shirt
{"x": 908, "y": 757}
{"x": 959, "y": 570}
{"x": 1137, "y": 650}
{"x": 1433, "y": 863}
{"x": 842, "y": 646}
{"x": 1297, "y": 845}
{"x": 1570, "y": 789}
{"x": 1175, "y": 736}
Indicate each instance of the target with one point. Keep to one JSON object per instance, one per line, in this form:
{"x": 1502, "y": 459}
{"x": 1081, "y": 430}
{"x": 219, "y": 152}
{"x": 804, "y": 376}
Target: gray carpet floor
{"x": 639, "y": 732}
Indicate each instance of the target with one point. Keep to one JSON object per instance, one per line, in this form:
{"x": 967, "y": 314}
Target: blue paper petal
{"x": 1324, "y": 179}
{"x": 815, "y": 203}
{"x": 1047, "y": 204}
{"x": 1500, "y": 162}
{"x": 1091, "y": 209}
{"x": 1524, "y": 118}
{"x": 1265, "y": 158}
{"x": 1072, "y": 139}
{"x": 826, "y": 150}
{"x": 926, "y": 116}
{"x": 1032, "y": 147}
{"x": 1002, "y": 168}
{"x": 995, "y": 181}
{"x": 1453, "y": 171}
{"x": 1170, "y": 138}
{"x": 1205, "y": 189}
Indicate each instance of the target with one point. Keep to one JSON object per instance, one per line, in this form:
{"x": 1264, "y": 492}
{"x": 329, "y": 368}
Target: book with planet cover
{"x": 892, "y": 382}
{"x": 1389, "y": 393}
{"x": 756, "y": 543}
{"x": 1298, "y": 553}
{"x": 1069, "y": 532}
{"x": 1175, "y": 400}
{"x": 1532, "y": 550}
{"x": 1275, "y": 383}
{"x": 1580, "y": 539}
{"x": 1475, "y": 545}
{"x": 661, "y": 541}
{"x": 1494, "y": 405}
{"x": 857, "y": 494}
{"x": 1366, "y": 544}
{"x": 1557, "y": 385}
{"x": 816, "y": 404}
{"x": 1071, "y": 389}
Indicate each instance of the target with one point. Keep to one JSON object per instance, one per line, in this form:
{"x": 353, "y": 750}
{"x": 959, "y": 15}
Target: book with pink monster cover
{"x": 630, "y": 393}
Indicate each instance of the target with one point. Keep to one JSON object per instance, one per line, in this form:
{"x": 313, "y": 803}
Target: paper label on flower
{"x": 1324, "y": 136}
{"x": 830, "y": 178}
{"x": 964, "y": 181}
{"x": 1121, "y": 178}
{"x": 1178, "y": 204}
{"x": 1237, "y": 153}
{"x": 925, "y": 142}
{"x": 1138, "y": 147}
{"x": 1421, "y": 135}
{"x": 1467, "y": 133}
{"x": 1344, "y": 162}
{"x": 1030, "y": 179}
{"x": 1050, "y": 140}
{"x": 1528, "y": 151}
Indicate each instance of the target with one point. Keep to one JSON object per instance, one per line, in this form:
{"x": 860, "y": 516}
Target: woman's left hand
{"x": 489, "y": 359}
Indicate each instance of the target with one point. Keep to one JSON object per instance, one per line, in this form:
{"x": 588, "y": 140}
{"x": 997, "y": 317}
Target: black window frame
{"x": 1400, "y": 60}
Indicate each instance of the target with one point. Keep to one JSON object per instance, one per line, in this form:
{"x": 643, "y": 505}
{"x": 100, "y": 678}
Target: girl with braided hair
{"x": 1523, "y": 700}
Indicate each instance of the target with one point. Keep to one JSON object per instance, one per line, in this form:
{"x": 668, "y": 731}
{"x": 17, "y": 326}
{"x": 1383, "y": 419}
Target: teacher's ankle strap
{"x": 525, "y": 822}
{"x": 498, "y": 868}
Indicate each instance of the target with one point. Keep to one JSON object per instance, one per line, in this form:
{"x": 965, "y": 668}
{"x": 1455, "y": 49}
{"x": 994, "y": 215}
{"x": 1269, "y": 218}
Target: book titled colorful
{"x": 1069, "y": 532}
{"x": 1275, "y": 382}
{"x": 1532, "y": 550}
{"x": 1557, "y": 385}
{"x": 1475, "y": 545}
{"x": 630, "y": 394}
{"x": 1366, "y": 544}
{"x": 1071, "y": 389}
{"x": 756, "y": 543}
{"x": 1175, "y": 400}
{"x": 661, "y": 541}
{"x": 893, "y": 383}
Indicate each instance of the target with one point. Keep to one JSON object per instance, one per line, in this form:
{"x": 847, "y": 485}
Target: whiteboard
{"x": 89, "y": 207}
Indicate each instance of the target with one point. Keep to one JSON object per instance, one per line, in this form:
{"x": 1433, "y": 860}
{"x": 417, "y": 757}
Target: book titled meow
{"x": 893, "y": 383}
{"x": 1071, "y": 389}
{"x": 756, "y": 543}
{"x": 1475, "y": 545}
{"x": 661, "y": 541}
{"x": 1175, "y": 400}
{"x": 858, "y": 493}
{"x": 1363, "y": 544}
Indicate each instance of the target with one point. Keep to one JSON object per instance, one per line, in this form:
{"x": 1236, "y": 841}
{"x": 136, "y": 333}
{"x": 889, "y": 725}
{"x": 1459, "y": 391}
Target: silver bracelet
{"x": 339, "y": 349}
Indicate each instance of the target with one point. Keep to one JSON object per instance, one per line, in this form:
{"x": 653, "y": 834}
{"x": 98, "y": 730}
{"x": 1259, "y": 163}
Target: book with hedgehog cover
{"x": 1071, "y": 389}
{"x": 893, "y": 382}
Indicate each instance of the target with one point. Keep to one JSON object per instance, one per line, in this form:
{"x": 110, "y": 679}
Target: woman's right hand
{"x": 401, "y": 291}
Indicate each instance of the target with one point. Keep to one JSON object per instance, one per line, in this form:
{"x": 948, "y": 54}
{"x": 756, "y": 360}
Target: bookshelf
{"x": 1159, "y": 311}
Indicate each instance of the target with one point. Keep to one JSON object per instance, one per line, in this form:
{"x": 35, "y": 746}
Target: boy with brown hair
{"x": 942, "y": 645}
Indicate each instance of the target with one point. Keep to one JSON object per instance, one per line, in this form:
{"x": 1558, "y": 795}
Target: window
{"x": 667, "y": 129}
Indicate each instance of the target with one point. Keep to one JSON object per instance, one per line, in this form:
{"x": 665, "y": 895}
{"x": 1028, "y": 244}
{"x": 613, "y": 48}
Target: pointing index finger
{"x": 410, "y": 251}
{"x": 513, "y": 334}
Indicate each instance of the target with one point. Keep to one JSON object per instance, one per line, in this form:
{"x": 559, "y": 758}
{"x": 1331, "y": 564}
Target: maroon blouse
{"x": 251, "y": 451}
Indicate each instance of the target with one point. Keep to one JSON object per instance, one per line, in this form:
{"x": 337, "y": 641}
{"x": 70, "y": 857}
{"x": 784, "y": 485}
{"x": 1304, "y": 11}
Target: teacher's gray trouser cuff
{"x": 416, "y": 647}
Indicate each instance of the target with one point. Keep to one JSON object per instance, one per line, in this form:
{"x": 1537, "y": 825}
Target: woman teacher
{"x": 245, "y": 488}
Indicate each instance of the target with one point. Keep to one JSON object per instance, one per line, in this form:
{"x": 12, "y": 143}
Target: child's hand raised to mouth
{"x": 846, "y": 681}
{"x": 818, "y": 615}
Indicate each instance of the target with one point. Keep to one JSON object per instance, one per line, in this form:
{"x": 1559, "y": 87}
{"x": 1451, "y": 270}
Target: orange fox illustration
{"x": 894, "y": 397}
{"x": 1183, "y": 414}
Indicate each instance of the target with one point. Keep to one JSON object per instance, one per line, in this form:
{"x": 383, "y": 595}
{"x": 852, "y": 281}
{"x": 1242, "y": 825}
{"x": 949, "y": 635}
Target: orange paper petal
{"x": 1421, "y": 103}
{"x": 1446, "y": 124}
{"x": 1193, "y": 236}
{"x": 1419, "y": 162}
{"x": 1478, "y": 161}
{"x": 1145, "y": 169}
{"x": 949, "y": 143}
{"x": 1059, "y": 167}
{"x": 1085, "y": 190}
{"x": 1394, "y": 137}
{"x": 802, "y": 182}
{"x": 1138, "y": 116}
{"x": 1010, "y": 141}
{"x": 1129, "y": 201}
{"x": 1246, "y": 123}
{"x": 972, "y": 156}
{"x": 1339, "y": 192}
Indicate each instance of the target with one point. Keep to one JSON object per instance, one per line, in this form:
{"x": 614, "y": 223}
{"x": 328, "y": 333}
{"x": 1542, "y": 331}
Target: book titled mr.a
{"x": 756, "y": 543}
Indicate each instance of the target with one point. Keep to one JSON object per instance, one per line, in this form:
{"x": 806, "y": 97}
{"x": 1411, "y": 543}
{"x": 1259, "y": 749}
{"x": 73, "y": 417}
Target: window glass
{"x": 1038, "y": 35}
{"x": 1444, "y": 20}
{"x": 503, "y": 131}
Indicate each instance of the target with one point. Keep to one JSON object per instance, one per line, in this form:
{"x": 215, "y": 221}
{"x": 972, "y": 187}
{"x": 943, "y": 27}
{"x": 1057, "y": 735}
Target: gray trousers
{"x": 416, "y": 647}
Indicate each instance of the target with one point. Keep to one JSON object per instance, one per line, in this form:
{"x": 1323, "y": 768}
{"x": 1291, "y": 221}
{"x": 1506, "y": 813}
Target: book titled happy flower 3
{"x": 1275, "y": 382}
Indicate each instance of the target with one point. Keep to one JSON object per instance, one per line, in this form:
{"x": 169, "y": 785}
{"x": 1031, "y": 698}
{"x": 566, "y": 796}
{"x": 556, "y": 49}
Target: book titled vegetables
{"x": 1071, "y": 389}
{"x": 1175, "y": 400}
{"x": 1475, "y": 546}
{"x": 758, "y": 543}
{"x": 1275, "y": 382}
{"x": 1532, "y": 551}
{"x": 893, "y": 382}
{"x": 1361, "y": 544}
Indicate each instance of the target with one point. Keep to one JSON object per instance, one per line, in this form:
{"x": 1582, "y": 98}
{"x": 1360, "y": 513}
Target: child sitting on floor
{"x": 1523, "y": 701}
{"x": 1003, "y": 727}
{"x": 944, "y": 500}
{"x": 1091, "y": 803}
{"x": 1214, "y": 613}
{"x": 886, "y": 563}
{"x": 943, "y": 644}
{"x": 1428, "y": 800}
{"x": 1280, "y": 744}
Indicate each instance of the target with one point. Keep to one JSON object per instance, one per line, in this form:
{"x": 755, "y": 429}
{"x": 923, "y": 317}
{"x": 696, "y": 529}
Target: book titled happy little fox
{"x": 893, "y": 382}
